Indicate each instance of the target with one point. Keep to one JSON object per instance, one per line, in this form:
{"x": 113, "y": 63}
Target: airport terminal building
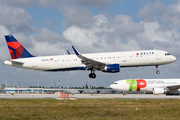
{"x": 54, "y": 90}
{"x": 2, "y": 86}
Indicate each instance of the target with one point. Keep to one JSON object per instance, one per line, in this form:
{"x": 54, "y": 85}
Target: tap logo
{"x": 136, "y": 84}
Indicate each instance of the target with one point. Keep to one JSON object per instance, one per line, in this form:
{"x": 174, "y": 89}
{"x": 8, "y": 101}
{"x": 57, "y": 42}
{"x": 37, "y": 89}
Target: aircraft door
{"x": 124, "y": 86}
{"x": 34, "y": 63}
{"x": 124, "y": 59}
{"x": 158, "y": 56}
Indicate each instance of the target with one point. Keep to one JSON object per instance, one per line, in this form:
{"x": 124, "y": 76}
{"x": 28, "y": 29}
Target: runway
{"x": 87, "y": 96}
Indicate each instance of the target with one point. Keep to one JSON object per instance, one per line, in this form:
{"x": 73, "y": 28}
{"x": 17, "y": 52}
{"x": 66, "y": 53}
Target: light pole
{"x": 38, "y": 83}
{"x": 6, "y": 82}
{"x": 95, "y": 85}
{"x": 59, "y": 85}
{"x": 94, "y": 82}
{"x": 67, "y": 85}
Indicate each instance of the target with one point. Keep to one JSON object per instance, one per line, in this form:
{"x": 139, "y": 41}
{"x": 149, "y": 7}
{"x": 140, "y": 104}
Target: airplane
{"x": 157, "y": 86}
{"x": 109, "y": 62}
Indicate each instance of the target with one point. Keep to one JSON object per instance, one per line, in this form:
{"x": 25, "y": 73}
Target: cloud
{"x": 93, "y": 3}
{"x": 159, "y": 36}
{"x": 74, "y": 15}
{"x": 45, "y": 48}
{"x": 105, "y": 34}
{"x": 46, "y": 3}
{"x": 49, "y": 42}
{"x": 126, "y": 26}
{"x": 15, "y": 19}
{"x": 172, "y": 15}
{"x": 49, "y": 3}
{"x": 3, "y": 46}
{"x": 48, "y": 23}
{"x": 161, "y": 27}
{"x": 158, "y": 12}
{"x": 29, "y": 3}
{"x": 44, "y": 34}
{"x": 151, "y": 12}
{"x": 17, "y": 3}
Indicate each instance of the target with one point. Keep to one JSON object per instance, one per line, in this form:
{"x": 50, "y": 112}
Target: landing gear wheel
{"x": 92, "y": 75}
{"x": 157, "y": 71}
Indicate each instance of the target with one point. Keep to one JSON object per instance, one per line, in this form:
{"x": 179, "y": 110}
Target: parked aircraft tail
{"x": 16, "y": 50}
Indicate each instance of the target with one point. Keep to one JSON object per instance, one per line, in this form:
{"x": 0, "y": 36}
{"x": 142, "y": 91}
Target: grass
{"x": 89, "y": 109}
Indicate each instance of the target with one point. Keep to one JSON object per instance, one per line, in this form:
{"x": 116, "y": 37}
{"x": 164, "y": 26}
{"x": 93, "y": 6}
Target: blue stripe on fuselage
{"x": 68, "y": 69}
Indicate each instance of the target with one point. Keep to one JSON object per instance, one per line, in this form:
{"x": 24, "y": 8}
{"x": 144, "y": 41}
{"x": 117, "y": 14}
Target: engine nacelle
{"x": 111, "y": 68}
{"x": 158, "y": 91}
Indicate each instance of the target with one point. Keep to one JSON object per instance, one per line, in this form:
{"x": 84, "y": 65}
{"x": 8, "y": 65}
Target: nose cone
{"x": 111, "y": 86}
{"x": 173, "y": 58}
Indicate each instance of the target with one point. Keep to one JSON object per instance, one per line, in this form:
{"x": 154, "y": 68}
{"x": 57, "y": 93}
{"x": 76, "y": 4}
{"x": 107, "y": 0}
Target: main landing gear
{"x": 157, "y": 71}
{"x": 92, "y": 74}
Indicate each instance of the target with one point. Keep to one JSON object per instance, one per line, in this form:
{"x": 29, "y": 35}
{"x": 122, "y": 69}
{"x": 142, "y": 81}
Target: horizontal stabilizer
{"x": 13, "y": 63}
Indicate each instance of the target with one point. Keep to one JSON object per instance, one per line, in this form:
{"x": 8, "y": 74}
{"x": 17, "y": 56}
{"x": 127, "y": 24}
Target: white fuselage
{"x": 72, "y": 62}
{"x": 147, "y": 85}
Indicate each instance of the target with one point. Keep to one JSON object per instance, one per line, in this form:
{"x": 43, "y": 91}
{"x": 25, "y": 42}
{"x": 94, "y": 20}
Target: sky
{"x": 50, "y": 27}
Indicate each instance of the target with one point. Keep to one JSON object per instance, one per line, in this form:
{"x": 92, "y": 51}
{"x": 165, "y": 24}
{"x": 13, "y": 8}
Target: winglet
{"x": 76, "y": 52}
{"x": 68, "y": 52}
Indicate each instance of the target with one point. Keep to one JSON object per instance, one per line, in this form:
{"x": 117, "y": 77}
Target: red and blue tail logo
{"x": 16, "y": 49}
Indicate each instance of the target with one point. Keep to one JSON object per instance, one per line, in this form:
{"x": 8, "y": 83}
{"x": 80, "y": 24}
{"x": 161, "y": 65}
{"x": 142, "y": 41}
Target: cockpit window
{"x": 166, "y": 54}
{"x": 115, "y": 83}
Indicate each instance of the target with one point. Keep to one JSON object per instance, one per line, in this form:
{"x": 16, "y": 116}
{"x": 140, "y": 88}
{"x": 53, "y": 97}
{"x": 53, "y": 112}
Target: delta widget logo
{"x": 136, "y": 84}
{"x": 15, "y": 49}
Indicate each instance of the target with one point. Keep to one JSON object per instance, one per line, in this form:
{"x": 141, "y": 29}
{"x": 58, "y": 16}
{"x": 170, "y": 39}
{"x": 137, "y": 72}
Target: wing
{"x": 174, "y": 88}
{"x": 90, "y": 63}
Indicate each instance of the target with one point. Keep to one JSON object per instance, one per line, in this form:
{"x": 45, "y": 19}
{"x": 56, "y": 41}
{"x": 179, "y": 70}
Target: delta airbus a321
{"x": 110, "y": 62}
{"x": 157, "y": 86}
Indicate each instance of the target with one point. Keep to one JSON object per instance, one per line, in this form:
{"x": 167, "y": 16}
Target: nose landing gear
{"x": 157, "y": 71}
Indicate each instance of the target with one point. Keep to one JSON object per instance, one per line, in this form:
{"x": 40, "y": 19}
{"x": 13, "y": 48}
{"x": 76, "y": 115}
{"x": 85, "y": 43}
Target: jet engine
{"x": 111, "y": 68}
{"x": 158, "y": 91}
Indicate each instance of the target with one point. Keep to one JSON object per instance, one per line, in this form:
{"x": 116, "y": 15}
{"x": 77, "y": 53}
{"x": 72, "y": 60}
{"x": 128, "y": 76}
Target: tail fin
{"x": 16, "y": 49}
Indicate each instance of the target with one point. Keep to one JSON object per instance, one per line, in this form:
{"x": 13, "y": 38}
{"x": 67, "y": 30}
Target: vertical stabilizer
{"x": 16, "y": 50}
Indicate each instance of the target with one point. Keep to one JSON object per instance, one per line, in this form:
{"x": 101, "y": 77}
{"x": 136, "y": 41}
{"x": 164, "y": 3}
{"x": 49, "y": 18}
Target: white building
{"x": 53, "y": 90}
{"x": 2, "y": 87}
